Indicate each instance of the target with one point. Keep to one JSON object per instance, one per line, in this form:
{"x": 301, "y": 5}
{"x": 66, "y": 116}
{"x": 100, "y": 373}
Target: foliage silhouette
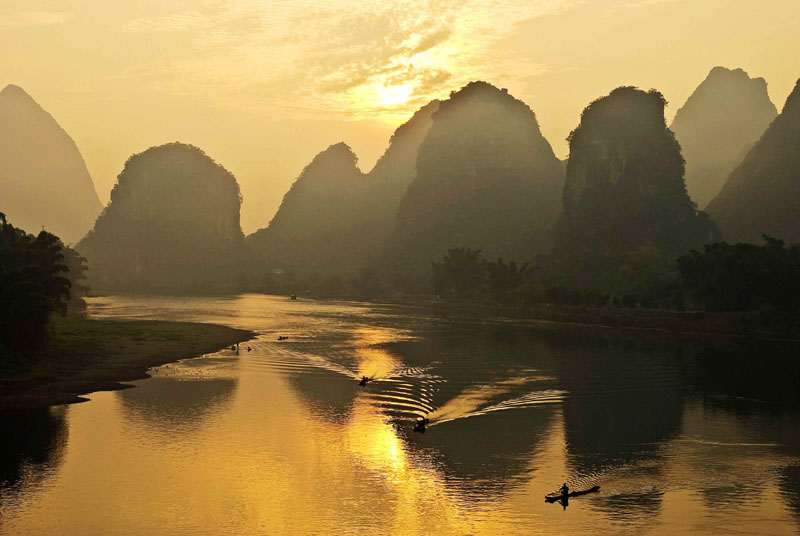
{"x": 505, "y": 279}
{"x": 33, "y": 284}
{"x": 743, "y": 277}
{"x": 461, "y": 272}
{"x": 77, "y": 268}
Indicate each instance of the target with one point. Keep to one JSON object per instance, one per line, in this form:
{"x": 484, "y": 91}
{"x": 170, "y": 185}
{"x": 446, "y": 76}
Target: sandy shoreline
{"x": 85, "y": 356}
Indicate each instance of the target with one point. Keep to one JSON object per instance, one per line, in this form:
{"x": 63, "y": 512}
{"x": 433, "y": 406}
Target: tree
{"x": 505, "y": 279}
{"x": 32, "y": 284}
{"x": 462, "y": 271}
{"x": 76, "y": 273}
{"x": 743, "y": 277}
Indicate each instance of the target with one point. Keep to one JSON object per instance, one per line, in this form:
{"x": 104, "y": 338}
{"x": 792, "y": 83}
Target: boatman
{"x": 564, "y": 489}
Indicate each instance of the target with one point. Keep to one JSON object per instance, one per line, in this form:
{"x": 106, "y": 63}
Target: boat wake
{"x": 408, "y": 393}
{"x": 460, "y": 410}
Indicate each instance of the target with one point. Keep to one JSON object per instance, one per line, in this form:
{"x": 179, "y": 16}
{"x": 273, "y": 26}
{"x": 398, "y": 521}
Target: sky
{"x": 263, "y": 86}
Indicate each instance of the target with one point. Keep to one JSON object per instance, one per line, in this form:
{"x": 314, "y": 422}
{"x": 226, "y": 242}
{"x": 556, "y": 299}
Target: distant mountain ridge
{"x": 43, "y": 177}
{"x": 762, "y": 195}
{"x": 334, "y": 217}
{"x": 718, "y": 124}
{"x": 309, "y": 229}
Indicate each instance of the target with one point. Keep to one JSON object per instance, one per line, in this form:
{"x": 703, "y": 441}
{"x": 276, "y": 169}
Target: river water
{"x": 683, "y": 437}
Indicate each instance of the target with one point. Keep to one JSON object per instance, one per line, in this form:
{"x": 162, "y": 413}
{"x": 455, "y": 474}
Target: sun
{"x": 393, "y": 95}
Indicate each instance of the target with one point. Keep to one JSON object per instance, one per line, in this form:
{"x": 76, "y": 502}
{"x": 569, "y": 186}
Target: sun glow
{"x": 389, "y": 102}
{"x": 393, "y": 95}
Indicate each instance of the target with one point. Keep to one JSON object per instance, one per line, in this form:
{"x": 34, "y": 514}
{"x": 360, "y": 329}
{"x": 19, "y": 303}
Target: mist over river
{"x": 684, "y": 437}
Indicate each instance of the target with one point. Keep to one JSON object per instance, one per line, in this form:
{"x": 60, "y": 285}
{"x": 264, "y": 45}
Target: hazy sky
{"x": 262, "y": 86}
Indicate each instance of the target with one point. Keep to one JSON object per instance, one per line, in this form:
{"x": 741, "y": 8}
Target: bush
{"x": 742, "y": 277}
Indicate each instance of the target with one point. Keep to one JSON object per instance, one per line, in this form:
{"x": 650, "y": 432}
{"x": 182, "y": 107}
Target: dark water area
{"x": 684, "y": 437}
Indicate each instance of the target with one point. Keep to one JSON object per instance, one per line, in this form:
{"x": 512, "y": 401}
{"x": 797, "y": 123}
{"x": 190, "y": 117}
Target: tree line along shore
{"x": 50, "y": 354}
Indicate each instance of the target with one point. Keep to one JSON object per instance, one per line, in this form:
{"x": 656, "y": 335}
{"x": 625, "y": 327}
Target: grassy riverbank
{"x": 82, "y": 356}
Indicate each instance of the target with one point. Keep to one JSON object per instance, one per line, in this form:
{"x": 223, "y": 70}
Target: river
{"x": 684, "y": 437}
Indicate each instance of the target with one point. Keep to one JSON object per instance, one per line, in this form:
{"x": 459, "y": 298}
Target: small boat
{"x": 421, "y": 424}
{"x": 553, "y": 497}
{"x": 363, "y": 381}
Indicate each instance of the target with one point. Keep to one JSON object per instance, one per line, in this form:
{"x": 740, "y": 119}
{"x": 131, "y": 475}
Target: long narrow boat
{"x": 553, "y": 497}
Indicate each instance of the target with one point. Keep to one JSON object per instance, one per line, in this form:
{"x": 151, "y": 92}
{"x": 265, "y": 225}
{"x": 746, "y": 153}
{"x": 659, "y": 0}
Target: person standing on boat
{"x": 564, "y": 489}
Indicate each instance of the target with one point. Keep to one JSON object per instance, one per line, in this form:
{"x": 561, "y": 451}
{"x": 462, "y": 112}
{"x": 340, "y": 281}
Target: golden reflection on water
{"x": 273, "y": 468}
{"x": 240, "y": 449}
{"x": 415, "y": 497}
{"x": 372, "y": 360}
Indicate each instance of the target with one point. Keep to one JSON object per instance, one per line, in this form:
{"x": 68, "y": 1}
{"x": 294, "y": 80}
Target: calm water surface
{"x": 682, "y": 437}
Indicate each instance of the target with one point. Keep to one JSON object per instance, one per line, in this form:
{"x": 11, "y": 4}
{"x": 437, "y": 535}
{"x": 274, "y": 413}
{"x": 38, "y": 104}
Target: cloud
{"x": 431, "y": 40}
{"x": 636, "y": 4}
{"x": 342, "y": 58}
{"x": 172, "y": 22}
{"x": 29, "y": 19}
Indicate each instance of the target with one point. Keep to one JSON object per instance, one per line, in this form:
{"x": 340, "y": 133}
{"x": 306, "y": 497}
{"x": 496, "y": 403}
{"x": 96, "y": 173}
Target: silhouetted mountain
{"x": 43, "y": 178}
{"x": 762, "y": 195}
{"x": 312, "y": 228}
{"x": 393, "y": 173}
{"x": 172, "y": 224}
{"x": 716, "y": 127}
{"x": 626, "y": 210}
{"x": 334, "y": 217}
{"x": 486, "y": 179}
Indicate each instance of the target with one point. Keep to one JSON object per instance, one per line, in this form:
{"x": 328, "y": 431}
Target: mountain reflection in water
{"x": 683, "y": 437}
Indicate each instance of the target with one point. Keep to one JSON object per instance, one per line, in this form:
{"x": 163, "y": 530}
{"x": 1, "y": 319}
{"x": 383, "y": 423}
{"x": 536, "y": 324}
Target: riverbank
{"x": 83, "y": 356}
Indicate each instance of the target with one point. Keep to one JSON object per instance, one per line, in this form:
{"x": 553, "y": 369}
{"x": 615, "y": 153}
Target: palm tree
{"x": 461, "y": 271}
{"x": 504, "y": 278}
